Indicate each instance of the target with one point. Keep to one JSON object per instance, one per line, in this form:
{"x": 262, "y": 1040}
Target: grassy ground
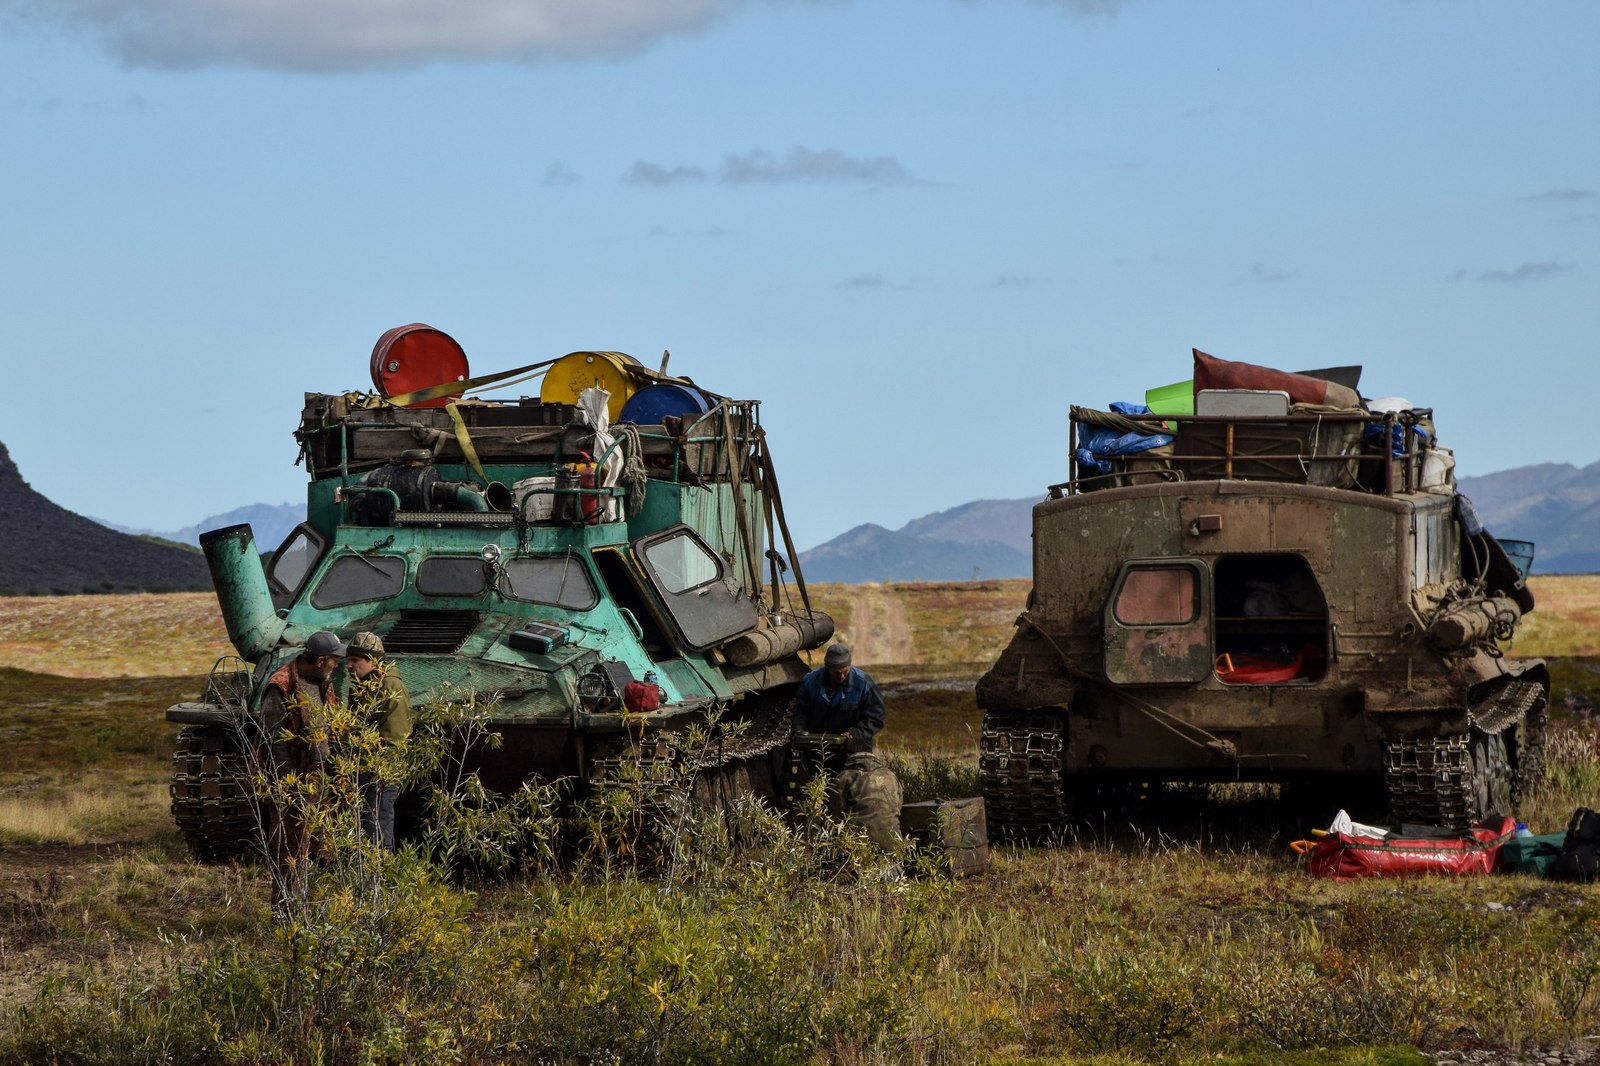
{"x": 113, "y": 636}
{"x": 1180, "y": 930}
{"x": 950, "y": 627}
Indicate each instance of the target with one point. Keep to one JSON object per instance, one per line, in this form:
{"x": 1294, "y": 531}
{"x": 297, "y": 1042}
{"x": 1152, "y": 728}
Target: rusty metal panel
{"x": 1246, "y": 524}
{"x": 1158, "y": 654}
{"x": 1304, "y": 527}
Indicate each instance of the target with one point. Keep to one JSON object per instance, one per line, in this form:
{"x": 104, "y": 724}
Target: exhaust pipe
{"x": 241, "y": 583}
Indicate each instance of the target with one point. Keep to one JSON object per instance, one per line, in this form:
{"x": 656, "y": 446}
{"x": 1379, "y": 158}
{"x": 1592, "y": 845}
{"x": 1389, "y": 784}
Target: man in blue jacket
{"x": 839, "y": 700}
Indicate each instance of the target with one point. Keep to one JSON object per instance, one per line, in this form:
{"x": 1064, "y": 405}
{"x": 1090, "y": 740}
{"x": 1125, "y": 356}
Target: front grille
{"x": 435, "y": 631}
{"x": 448, "y": 677}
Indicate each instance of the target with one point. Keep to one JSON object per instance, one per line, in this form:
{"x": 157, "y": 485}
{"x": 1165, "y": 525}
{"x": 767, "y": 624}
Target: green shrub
{"x": 774, "y": 951}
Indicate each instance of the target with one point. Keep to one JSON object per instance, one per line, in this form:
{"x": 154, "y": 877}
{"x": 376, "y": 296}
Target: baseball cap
{"x": 366, "y": 645}
{"x": 323, "y": 643}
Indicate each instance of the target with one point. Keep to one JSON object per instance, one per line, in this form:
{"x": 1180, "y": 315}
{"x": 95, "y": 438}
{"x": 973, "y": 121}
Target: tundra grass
{"x": 144, "y": 635}
{"x": 952, "y": 623}
{"x": 1179, "y": 931}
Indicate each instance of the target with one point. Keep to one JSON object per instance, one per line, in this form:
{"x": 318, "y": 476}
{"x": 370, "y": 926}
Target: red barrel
{"x": 408, "y": 358}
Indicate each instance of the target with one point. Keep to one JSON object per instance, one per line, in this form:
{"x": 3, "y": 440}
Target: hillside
{"x": 1555, "y": 505}
{"x": 873, "y": 553}
{"x": 271, "y": 523}
{"x": 46, "y": 549}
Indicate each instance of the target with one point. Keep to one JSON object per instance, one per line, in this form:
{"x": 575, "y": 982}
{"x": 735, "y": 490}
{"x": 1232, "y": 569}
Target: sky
{"x": 917, "y": 230}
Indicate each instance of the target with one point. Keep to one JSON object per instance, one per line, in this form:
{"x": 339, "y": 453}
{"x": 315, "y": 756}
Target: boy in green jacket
{"x": 380, "y": 696}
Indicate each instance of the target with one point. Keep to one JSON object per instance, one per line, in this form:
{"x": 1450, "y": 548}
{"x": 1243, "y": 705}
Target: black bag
{"x": 1580, "y": 852}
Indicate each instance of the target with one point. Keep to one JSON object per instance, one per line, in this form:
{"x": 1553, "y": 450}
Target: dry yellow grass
{"x": 113, "y": 636}
{"x": 88, "y": 814}
{"x": 938, "y": 625}
{"x": 1566, "y": 617}
{"x": 945, "y": 623}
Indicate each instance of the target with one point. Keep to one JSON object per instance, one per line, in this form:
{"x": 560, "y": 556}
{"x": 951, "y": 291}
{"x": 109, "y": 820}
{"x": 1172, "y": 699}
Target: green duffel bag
{"x": 1531, "y": 855}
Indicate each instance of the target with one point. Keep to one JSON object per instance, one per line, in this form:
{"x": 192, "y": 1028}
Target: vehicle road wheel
{"x": 1492, "y": 781}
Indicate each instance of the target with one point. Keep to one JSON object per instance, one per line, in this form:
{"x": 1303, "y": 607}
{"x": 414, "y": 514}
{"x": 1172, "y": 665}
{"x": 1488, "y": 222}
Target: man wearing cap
{"x": 642, "y": 697}
{"x": 380, "y": 697}
{"x": 291, "y": 707}
{"x": 296, "y": 742}
{"x": 838, "y": 699}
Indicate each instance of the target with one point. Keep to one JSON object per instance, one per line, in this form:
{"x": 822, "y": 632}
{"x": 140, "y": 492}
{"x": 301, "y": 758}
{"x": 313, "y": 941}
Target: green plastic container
{"x": 1174, "y": 399}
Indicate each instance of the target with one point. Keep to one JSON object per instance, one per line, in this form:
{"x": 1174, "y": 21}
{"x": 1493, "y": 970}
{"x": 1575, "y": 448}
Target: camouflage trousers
{"x": 869, "y": 795}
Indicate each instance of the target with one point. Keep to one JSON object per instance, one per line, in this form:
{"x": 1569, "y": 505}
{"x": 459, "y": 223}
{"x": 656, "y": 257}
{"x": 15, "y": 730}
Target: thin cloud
{"x": 760, "y": 167}
{"x": 327, "y": 35}
{"x": 1522, "y": 275}
{"x": 1561, "y": 196}
{"x": 1017, "y": 281}
{"x": 557, "y": 176}
{"x": 647, "y": 173}
{"x": 865, "y": 283}
{"x": 706, "y": 233}
{"x": 337, "y": 35}
{"x": 807, "y": 164}
{"x": 1086, "y": 8}
{"x": 1080, "y": 8}
{"x": 1261, "y": 274}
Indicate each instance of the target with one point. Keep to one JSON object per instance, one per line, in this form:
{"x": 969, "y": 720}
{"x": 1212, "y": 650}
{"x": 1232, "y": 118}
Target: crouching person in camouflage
{"x": 842, "y": 704}
{"x": 380, "y": 697}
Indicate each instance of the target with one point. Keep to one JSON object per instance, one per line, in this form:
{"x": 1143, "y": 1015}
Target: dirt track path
{"x": 880, "y": 627}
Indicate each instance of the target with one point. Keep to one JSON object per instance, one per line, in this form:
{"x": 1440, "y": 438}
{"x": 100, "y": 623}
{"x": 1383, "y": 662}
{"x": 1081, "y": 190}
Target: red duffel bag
{"x": 1344, "y": 857}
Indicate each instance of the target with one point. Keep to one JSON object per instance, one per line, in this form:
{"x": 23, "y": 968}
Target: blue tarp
{"x": 1397, "y": 441}
{"x": 1098, "y": 440}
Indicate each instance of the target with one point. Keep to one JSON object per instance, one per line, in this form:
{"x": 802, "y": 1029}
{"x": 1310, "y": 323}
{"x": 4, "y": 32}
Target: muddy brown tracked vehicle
{"x": 533, "y": 555}
{"x": 1283, "y": 587}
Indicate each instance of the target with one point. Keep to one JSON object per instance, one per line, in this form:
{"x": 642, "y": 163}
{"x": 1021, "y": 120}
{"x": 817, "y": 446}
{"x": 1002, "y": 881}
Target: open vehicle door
{"x": 693, "y": 584}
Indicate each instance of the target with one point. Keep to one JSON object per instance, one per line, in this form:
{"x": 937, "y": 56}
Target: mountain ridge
{"x": 46, "y": 549}
{"x": 1555, "y": 505}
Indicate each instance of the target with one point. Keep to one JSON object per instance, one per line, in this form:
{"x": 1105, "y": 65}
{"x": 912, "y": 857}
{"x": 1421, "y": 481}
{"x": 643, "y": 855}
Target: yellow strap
{"x": 464, "y": 439}
{"x": 455, "y": 388}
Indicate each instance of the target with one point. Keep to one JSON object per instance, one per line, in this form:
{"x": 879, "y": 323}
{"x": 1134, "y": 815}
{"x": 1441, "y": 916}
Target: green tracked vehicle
{"x": 522, "y": 553}
{"x": 1296, "y": 595}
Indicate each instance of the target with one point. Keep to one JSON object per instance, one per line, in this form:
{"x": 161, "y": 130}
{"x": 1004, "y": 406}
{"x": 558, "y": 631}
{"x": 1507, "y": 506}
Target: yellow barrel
{"x": 576, "y": 371}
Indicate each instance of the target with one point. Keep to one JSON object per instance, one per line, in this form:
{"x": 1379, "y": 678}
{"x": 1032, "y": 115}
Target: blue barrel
{"x": 651, "y": 404}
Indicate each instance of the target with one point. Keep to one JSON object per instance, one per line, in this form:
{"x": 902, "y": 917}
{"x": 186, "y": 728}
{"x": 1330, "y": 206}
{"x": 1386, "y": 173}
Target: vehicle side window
{"x": 459, "y": 575}
{"x": 358, "y": 579}
{"x": 679, "y": 563}
{"x": 293, "y": 562}
{"x": 1159, "y": 596}
{"x": 558, "y": 580}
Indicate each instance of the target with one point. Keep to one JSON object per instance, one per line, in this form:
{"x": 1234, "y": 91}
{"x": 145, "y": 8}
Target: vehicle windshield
{"x": 360, "y": 579}
{"x": 451, "y": 575}
{"x": 560, "y": 580}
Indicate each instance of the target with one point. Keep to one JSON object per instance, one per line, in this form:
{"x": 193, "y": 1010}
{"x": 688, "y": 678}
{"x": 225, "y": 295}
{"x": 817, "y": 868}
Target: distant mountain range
{"x": 1555, "y": 505}
{"x": 46, "y": 549}
{"x": 270, "y": 522}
